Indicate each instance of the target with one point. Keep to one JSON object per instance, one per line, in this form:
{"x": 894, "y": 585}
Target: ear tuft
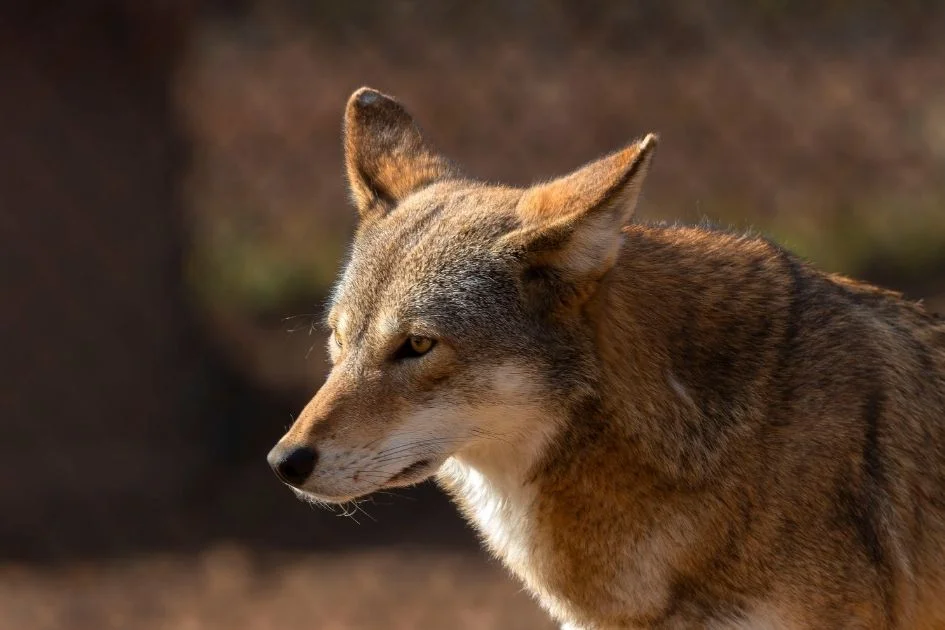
{"x": 386, "y": 157}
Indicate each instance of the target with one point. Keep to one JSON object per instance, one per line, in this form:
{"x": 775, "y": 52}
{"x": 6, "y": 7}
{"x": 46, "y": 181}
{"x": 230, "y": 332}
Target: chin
{"x": 413, "y": 474}
{"x": 320, "y": 498}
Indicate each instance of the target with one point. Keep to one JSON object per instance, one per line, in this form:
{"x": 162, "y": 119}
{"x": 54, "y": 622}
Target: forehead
{"x": 430, "y": 258}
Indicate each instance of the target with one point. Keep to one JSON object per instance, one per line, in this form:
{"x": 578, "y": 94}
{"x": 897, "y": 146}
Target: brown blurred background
{"x": 172, "y": 213}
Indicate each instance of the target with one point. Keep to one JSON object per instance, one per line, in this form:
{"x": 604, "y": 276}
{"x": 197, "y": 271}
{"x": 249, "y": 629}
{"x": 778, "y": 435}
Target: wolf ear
{"x": 386, "y": 157}
{"x": 572, "y": 225}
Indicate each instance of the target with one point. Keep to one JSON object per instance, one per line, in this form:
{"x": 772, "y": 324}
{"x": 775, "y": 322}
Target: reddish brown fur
{"x": 780, "y": 501}
{"x": 652, "y": 426}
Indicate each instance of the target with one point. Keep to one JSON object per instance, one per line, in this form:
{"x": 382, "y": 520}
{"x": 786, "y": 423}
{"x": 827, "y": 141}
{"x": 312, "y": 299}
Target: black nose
{"x": 292, "y": 464}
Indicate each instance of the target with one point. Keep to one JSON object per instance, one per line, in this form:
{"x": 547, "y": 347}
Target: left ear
{"x": 573, "y": 224}
{"x": 386, "y": 156}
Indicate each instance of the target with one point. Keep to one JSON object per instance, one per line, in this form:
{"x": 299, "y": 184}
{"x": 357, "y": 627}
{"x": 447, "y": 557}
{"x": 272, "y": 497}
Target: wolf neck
{"x": 685, "y": 330}
{"x": 688, "y": 330}
{"x": 684, "y": 362}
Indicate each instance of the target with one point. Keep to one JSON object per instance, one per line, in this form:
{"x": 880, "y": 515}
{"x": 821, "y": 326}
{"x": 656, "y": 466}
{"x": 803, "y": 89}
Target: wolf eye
{"x": 414, "y": 346}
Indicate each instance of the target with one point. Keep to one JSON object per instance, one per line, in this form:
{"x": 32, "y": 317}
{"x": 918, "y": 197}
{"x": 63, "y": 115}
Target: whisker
{"x": 413, "y": 445}
{"x": 357, "y": 506}
{"x": 311, "y": 326}
{"x": 345, "y": 511}
{"x": 309, "y": 351}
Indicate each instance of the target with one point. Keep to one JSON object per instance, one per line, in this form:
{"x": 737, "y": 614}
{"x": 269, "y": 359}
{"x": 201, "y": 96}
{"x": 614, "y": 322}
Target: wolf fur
{"x": 651, "y": 426}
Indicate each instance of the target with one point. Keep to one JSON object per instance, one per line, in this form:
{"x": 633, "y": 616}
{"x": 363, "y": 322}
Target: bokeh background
{"x": 172, "y": 213}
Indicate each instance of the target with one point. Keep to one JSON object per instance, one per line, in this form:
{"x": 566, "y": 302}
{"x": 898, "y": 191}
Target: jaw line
{"x": 428, "y": 467}
{"x": 408, "y": 472}
{"x": 325, "y": 500}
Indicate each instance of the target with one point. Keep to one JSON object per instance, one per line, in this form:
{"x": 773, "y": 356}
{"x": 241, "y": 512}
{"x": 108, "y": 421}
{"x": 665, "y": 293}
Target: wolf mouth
{"x": 410, "y": 471}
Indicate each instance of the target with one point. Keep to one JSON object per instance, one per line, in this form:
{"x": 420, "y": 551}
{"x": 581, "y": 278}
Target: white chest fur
{"x": 499, "y": 504}
{"x": 500, "y": 501}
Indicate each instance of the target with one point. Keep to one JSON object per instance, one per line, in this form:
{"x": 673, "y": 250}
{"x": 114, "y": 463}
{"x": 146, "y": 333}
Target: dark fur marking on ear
{"x": 381, "y": 198}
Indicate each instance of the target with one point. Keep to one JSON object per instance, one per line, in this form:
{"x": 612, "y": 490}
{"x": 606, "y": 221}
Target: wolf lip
{"x": 410, "y": 470}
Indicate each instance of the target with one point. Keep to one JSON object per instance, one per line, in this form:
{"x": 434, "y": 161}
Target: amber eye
{"x": 414, "y": 346}
{"x": 420, "y": 345}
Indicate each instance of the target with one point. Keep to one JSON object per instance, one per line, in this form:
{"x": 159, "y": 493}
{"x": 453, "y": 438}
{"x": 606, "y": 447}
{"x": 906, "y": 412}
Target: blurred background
{"x": 172, "y": 213}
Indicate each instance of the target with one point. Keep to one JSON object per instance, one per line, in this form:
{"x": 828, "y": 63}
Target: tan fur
{"x": 652, "y": 426}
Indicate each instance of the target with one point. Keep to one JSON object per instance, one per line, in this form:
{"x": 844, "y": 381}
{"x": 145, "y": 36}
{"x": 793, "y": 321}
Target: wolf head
{"x": 459, "y": 325}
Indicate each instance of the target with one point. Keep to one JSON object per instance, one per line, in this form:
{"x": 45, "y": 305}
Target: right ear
{"x": 573, "y": 225}
{"x": 386, "y": 157}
